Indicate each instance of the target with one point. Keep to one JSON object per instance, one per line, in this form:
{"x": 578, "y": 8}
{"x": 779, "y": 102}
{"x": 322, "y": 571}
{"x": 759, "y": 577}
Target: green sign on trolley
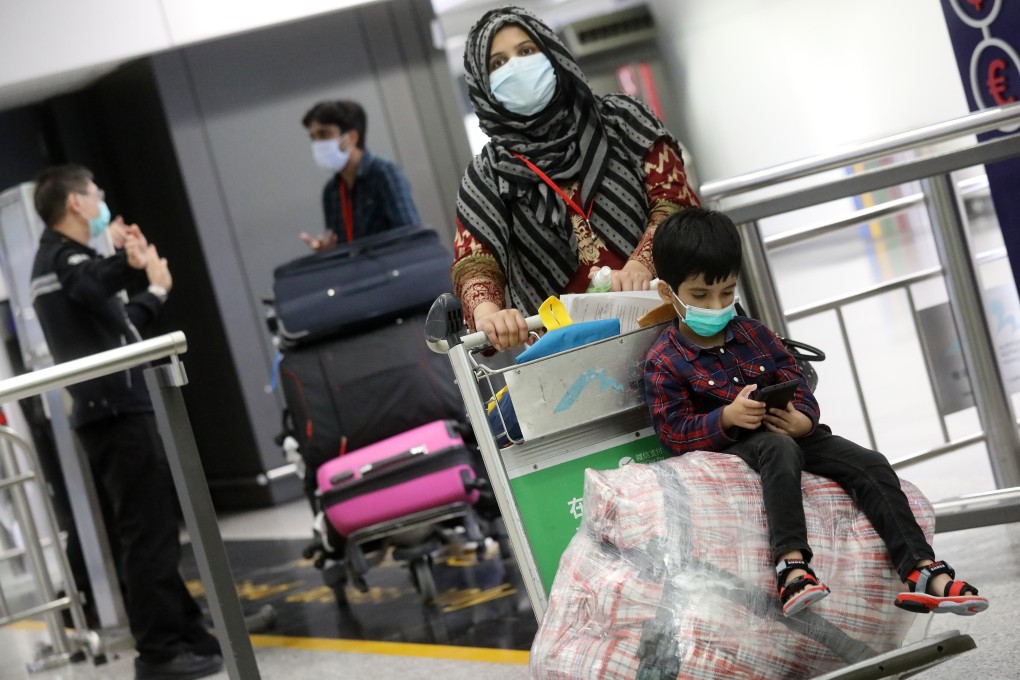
{"x": 550, "y": 500}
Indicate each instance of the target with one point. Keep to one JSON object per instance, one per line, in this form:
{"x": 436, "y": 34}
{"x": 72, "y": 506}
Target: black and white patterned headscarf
{"x": 600, "y": 142}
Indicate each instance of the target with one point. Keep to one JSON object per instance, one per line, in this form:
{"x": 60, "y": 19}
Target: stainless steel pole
{"x": 494, "y": 468}
{"x": 92, "y": 366}
{"x": 986, "y": 381}
{"x": 164, "y": 383}
{"x": 757, "y": 283}
{"x": 8, "y": 435}
{"x": 33, "y": 546}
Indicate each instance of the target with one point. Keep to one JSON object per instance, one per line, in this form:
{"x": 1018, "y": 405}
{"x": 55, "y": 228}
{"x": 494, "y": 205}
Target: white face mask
{"x": 524, "y": 85}
{"x": 329, "y": 156}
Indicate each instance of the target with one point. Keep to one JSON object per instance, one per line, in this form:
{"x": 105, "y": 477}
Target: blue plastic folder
{"x": 569, "y": 337}
{"x": 503, "y": 419}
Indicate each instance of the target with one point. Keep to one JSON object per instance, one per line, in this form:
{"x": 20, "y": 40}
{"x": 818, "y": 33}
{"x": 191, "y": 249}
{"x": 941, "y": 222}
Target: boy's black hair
{"x": 696, "y": 241}
{"x": 54, "y": 185}
{"x": 345, "y": 114}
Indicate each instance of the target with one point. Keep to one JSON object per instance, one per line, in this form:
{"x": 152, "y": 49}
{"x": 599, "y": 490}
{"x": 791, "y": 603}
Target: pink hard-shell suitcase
{"x": 417, "y": 470}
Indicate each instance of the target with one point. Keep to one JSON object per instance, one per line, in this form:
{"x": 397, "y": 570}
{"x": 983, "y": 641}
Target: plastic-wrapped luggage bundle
{"x": 670, "y": 576}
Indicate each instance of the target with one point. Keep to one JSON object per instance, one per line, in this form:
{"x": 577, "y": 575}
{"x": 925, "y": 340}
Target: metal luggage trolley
{"x": 82, "y": 642}
{"x": 578, "y": 409}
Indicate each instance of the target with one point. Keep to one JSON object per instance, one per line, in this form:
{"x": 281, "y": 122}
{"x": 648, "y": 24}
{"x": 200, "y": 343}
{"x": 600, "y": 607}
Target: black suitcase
{"x": 357, "y": 285}
{"x": 366, "y": 387}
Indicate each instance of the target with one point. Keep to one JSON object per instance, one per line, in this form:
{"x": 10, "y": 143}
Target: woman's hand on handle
{"x": 505, "y": 328}
{"x": 633, "y": 276}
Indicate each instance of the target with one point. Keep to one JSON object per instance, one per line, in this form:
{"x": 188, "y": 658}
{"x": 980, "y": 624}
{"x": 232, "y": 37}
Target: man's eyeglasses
{"x": 99, "y": 193}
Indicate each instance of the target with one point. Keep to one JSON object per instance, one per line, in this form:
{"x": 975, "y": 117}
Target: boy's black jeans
{"x": 865, "y": 474}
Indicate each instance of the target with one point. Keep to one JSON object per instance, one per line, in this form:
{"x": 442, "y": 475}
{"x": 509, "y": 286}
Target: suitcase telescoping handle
{"x": 342, "y": 476}
{"x": 347, "y": 475}
{"x": 392, "y": 460}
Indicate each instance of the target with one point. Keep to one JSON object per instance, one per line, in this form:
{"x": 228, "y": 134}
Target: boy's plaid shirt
{"x": 687, "y": 386}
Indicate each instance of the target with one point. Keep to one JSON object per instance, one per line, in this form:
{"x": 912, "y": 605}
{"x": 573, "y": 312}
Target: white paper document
{"x": 625, "y": 306}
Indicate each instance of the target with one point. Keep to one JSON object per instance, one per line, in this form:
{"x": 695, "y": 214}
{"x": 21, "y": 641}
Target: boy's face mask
{"x": 705, "y": 322}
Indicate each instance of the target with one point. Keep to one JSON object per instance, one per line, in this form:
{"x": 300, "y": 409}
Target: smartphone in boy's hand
{"x": 776, "y": 396}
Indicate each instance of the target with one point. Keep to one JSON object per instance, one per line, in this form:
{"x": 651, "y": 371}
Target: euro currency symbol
{"x": 997, "y": 83}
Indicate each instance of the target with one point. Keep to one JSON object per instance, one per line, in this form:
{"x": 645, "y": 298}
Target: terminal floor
{"x": 480, "y": 625}
{"x": 480, "y": 602}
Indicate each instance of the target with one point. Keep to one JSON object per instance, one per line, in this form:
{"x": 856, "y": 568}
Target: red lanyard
{"x": 563, "y": 194}
{"x": 346, "y": 205}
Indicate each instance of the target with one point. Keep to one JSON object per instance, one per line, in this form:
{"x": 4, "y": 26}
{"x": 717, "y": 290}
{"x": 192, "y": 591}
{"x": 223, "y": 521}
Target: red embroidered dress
{"x": 477, "y": 276}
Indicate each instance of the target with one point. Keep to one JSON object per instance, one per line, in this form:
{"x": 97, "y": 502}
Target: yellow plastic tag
{"x": 491, "y": 404}
{"x": 554, "y": 314}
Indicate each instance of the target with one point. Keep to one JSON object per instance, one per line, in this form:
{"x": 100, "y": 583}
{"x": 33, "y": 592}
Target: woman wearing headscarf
{"x": 569, "y": 181}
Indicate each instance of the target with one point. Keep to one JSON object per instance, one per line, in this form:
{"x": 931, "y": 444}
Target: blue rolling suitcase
{"x": 357, "y": 285}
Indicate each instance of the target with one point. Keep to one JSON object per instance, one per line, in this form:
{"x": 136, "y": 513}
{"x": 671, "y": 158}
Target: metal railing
{"x": 940, "y": 198}
{"x": 15, "y": 477}
{"x": 975, "y": 123}
{"x": 164, "y": 383}
{"x": 889, "y": 208}
{"x": 967, "y": 511}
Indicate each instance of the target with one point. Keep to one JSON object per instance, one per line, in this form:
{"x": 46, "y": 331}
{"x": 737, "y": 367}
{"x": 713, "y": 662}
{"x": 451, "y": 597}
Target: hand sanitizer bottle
{"x": 602, "y": 282}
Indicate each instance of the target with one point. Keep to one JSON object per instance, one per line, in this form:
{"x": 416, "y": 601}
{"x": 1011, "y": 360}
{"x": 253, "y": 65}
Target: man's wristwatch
{"x": 159, "y": 291}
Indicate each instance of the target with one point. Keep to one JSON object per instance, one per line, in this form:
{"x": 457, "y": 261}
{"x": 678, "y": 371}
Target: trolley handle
{"x": 477, "y": 339}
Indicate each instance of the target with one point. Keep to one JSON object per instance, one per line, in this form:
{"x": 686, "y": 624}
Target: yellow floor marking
{"x": 448, "y": 652}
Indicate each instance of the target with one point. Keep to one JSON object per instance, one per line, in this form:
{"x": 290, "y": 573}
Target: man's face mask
{"x": 101, "y": 222}
{"x": 524, "y": 85}
{"x": 328, "y": 155}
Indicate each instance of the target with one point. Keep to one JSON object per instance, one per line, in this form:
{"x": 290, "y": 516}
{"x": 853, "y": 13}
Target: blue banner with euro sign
{"x": 986, "y": 37}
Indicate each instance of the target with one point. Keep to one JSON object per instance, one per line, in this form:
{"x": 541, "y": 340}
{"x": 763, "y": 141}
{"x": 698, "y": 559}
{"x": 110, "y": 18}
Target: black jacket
{"x": 76, "y": 295}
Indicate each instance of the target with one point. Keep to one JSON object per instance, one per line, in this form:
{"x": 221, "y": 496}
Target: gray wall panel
{"x": 395, "y": 72}
{"x": 446, "y": 148}
{"x": 242, "y": 320}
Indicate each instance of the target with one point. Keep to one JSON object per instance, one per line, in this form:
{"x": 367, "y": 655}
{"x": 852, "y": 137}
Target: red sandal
{"x": 959, "y": 597}
{"x": 802, "y": 591}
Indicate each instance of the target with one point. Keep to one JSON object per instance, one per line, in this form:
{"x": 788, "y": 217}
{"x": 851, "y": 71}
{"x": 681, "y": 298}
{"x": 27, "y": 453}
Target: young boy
{"x": 700, "y": 378}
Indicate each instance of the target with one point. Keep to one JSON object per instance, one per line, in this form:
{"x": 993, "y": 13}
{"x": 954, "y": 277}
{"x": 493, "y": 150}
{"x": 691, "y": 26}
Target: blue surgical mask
{"x": 329, "y": 156}
{"x": 100, "y": 223}
{"x": 705, "y": 322}
{"x": 524, "y": 85}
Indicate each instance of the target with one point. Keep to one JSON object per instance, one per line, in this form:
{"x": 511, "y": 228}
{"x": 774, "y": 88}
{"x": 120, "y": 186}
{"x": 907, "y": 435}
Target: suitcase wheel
{"x": 422, "y": 578}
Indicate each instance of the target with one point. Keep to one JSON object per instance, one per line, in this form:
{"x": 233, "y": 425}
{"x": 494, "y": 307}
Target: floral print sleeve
{"x": 668, "y": 192}
{"x": 477, "y": 276}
